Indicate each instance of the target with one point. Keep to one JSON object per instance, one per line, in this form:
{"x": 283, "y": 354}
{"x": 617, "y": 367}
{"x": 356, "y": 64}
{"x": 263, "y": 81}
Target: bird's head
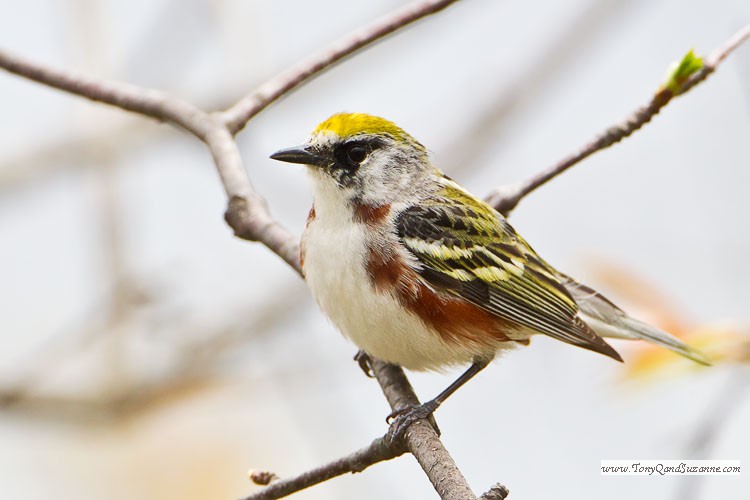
{"x": 360, "y": 158}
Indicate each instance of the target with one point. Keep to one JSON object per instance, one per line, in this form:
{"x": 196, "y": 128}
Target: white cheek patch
{"x": 381, "y": 180}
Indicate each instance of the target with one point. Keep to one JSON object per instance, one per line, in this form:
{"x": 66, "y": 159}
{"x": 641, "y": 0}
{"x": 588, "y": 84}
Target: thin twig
{"x": 141, "y": 100}
{"x": 506, "y": 198}
{"x": 378, "y": 451}
{"x": 237, "y": 116}
{"x": 494, "y": 118}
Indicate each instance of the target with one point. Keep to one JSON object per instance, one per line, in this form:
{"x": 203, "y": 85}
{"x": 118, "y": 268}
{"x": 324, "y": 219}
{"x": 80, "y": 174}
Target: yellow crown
{"x": 351, "y": 124}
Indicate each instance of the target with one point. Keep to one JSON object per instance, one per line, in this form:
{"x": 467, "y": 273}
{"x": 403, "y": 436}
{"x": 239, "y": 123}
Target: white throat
{"x": 331, "y": 204}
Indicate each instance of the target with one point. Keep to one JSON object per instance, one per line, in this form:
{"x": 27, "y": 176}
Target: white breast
{"x": 335, "y": 253}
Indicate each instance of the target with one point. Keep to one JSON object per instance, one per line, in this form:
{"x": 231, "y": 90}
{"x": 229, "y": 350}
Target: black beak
{"x": 300, "y": 154}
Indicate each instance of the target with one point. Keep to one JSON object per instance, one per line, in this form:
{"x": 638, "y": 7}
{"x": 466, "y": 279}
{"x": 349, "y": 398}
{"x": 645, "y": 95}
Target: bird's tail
{"x": 608, "y": 320}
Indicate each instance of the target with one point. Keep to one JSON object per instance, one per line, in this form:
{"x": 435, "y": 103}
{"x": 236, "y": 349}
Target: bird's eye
{"x": 356, "y": 153}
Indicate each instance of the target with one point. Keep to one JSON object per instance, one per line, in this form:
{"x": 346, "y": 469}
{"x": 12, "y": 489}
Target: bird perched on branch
{"x": 418, "y": 272}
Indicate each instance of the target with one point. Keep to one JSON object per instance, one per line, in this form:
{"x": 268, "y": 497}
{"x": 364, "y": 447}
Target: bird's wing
{"x": 465, "y": 248}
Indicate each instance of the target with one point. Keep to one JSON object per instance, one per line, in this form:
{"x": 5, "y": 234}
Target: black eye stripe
{"x": 350, "y": 155}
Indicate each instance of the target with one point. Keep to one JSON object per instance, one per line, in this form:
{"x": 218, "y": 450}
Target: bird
{"x": 418, "y": 272}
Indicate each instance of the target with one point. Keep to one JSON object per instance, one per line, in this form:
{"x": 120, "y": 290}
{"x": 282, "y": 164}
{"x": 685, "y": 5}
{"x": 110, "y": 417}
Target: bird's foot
{"x": 363, "y": 360}
{"x": 401, "y": 420}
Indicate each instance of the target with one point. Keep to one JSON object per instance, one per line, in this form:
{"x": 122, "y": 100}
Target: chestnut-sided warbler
{"x": 418, "y": 272}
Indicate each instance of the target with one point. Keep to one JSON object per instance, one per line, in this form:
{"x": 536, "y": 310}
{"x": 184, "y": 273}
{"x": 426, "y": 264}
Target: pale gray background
{"x": 497, "y": 90}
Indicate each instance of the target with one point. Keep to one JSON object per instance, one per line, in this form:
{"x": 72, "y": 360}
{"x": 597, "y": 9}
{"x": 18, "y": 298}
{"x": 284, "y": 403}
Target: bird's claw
{"x": 363, "y": 360}
{"x": 401, "y": 420}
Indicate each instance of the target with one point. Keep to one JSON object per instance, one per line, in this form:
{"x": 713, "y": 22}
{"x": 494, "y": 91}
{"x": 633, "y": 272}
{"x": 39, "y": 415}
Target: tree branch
{"x": 505, "y": 198}
{"x": 241, "y": 112}
{"x": 144, "y": 101}
{"x": 421, "y": 439}
{"x": 378, "y": 451}
{"x": 247, "y": 211}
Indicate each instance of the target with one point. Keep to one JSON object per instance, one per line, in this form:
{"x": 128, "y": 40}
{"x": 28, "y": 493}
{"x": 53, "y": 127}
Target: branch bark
{"x": 421, "y": 439}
